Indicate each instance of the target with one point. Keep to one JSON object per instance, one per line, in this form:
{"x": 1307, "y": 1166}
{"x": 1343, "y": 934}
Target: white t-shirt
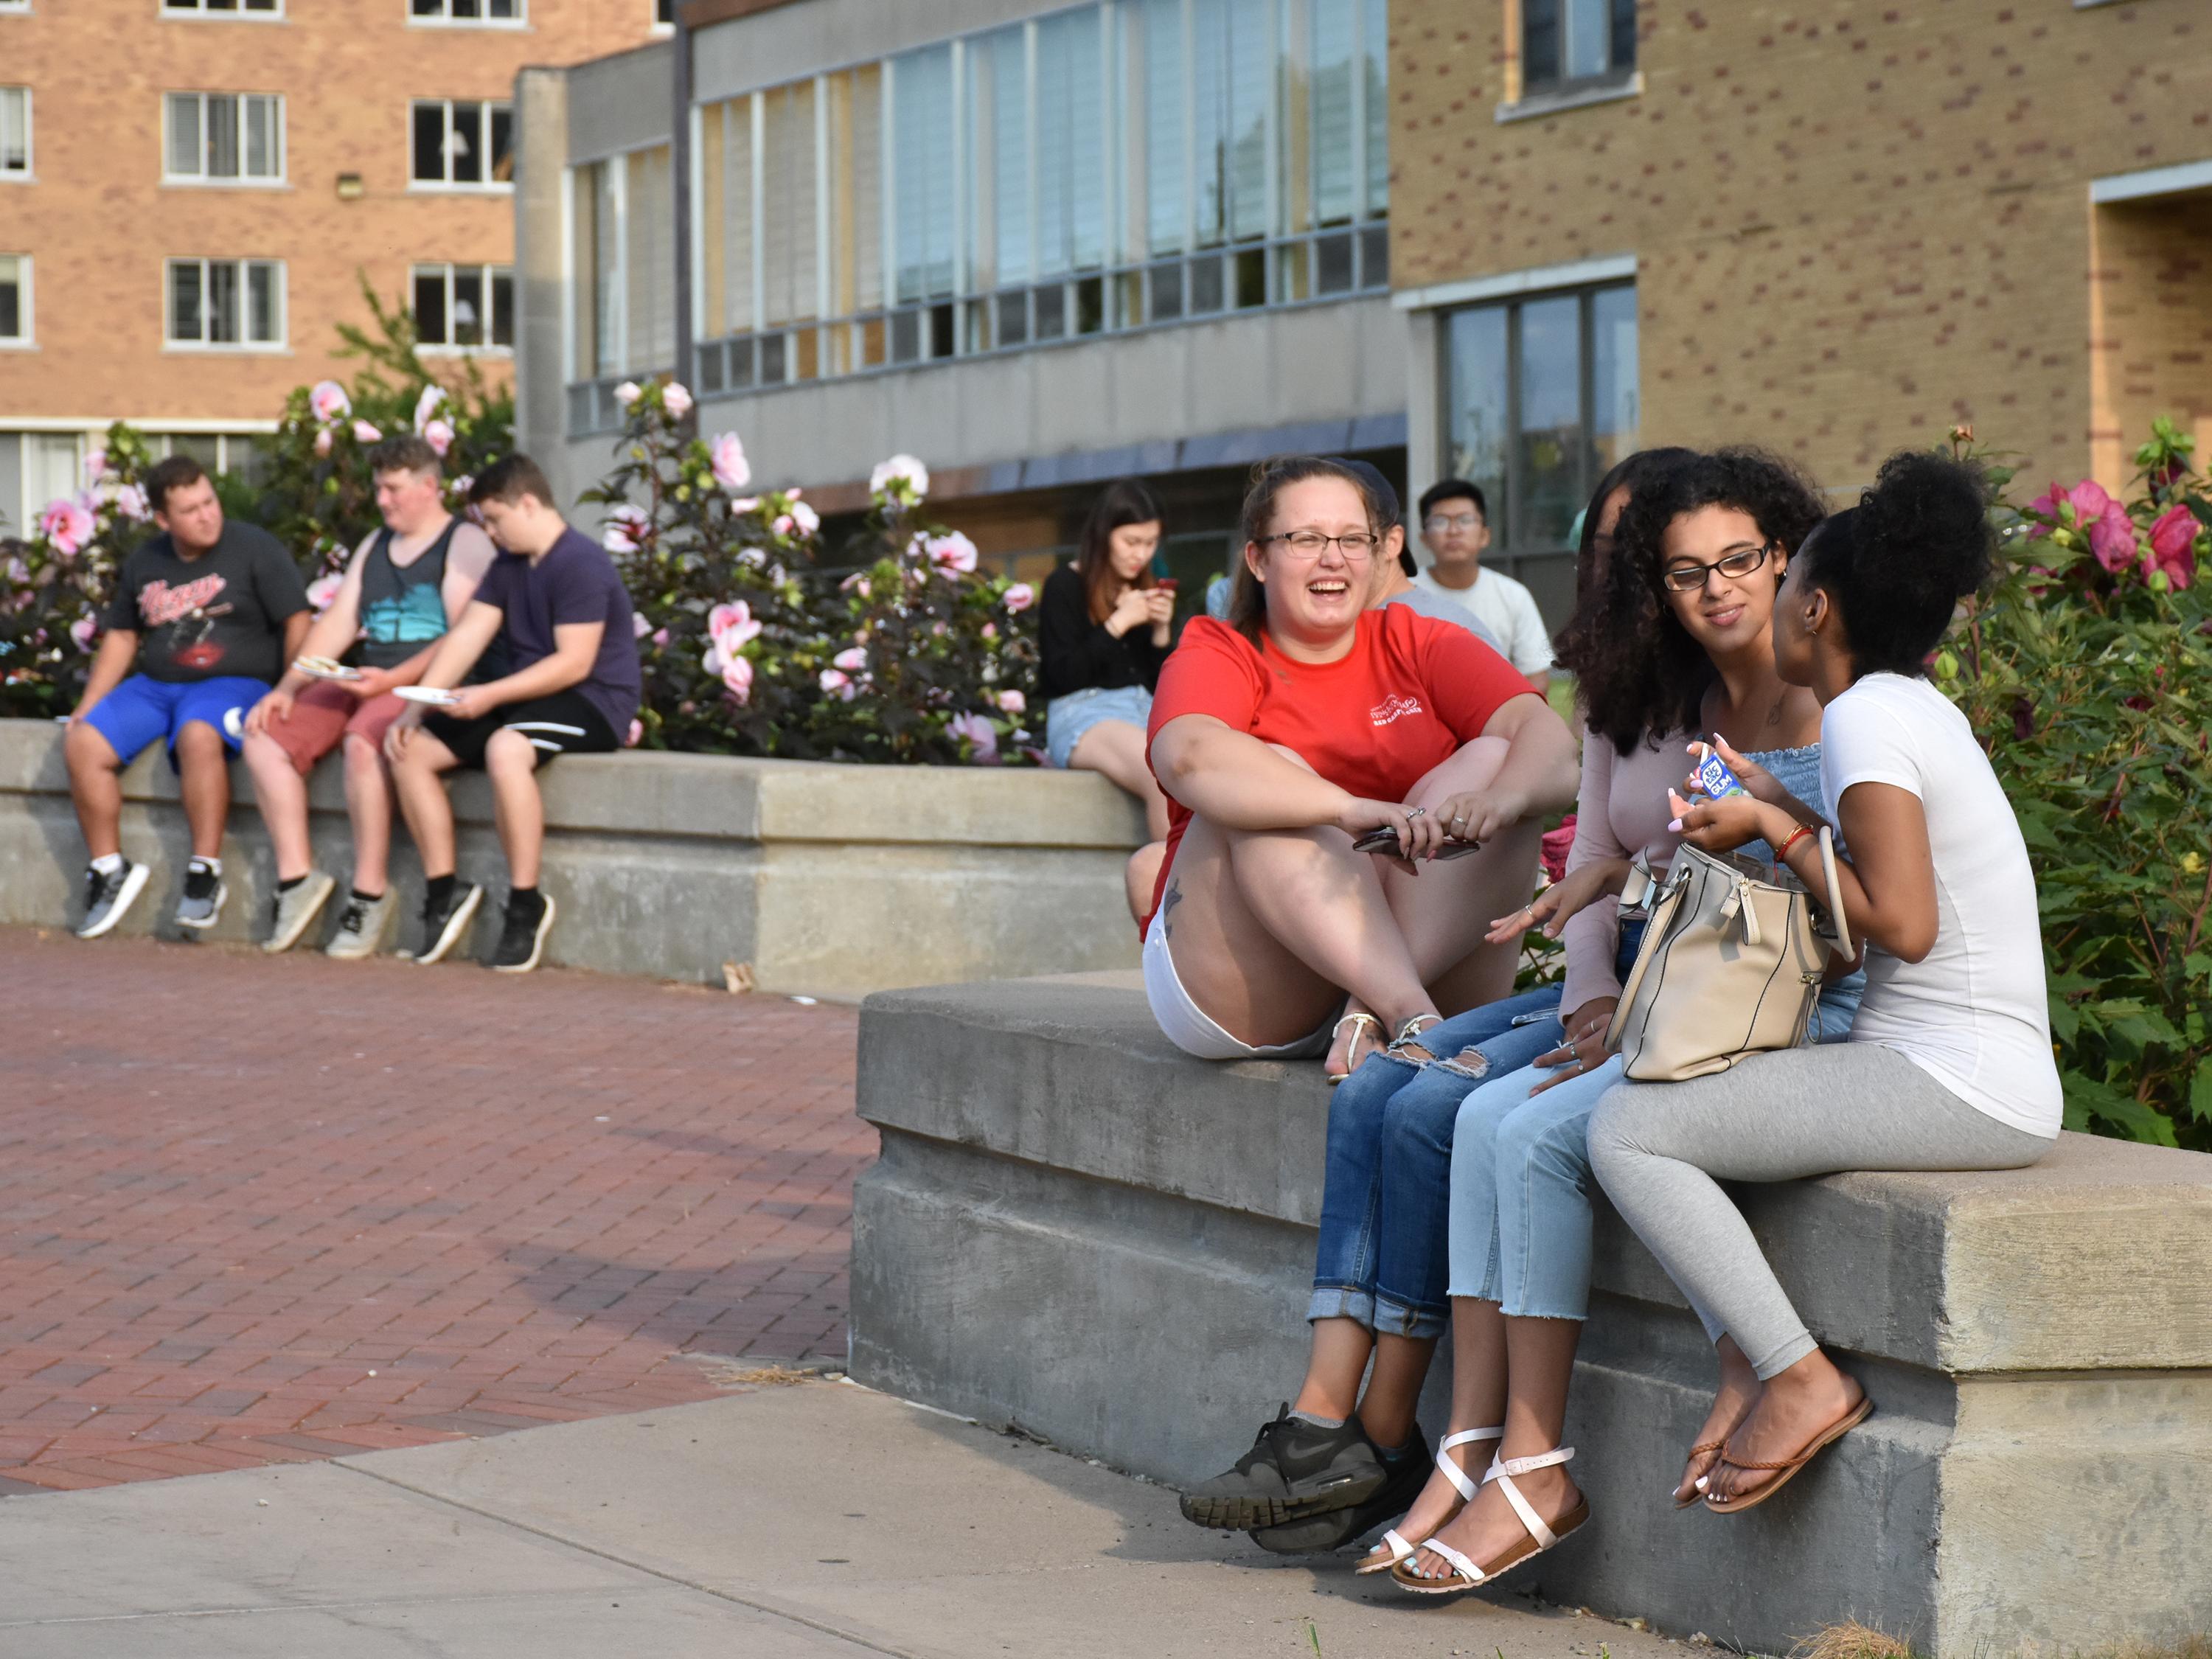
{"x": 1508, "y": 609}
{"x": 1972, "y": 1013}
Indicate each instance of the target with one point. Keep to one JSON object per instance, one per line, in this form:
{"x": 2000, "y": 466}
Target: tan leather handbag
{"x": 1731, "y": 964}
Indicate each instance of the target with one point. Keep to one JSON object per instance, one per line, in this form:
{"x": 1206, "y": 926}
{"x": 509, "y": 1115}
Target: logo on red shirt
{"x": 1393, "y": 708}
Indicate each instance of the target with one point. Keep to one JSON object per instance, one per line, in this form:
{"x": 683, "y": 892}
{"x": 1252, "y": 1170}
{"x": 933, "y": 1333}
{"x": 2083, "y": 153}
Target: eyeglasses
{"x": 1436, "y": 523}
{"x": 1688, "y": 575}
{"x": 1357, "y": 547}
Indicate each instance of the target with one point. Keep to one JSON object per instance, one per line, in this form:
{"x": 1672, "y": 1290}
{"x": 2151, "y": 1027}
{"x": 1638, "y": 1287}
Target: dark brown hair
{"x": 1125, "y": 501}
{"x": 177, "y": 472}
{"x": 1248, "y": 594}
{"x": 404, "y": 452}
{"x": 507, "y": 480}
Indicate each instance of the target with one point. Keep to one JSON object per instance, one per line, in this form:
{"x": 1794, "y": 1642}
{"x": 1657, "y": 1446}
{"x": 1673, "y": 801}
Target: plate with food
{"x": 326, "y": 668}
{"x": 430, "y": 695}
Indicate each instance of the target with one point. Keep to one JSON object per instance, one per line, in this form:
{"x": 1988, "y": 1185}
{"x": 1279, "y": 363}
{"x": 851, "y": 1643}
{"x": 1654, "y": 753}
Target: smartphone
{"x": 1714, "y": 776}
{"x": 1385, "y": 840}
{"x": 1167, "y": 584}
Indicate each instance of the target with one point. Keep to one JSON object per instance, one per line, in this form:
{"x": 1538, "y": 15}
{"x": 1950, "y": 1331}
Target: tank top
{"x": 403, "y": 609}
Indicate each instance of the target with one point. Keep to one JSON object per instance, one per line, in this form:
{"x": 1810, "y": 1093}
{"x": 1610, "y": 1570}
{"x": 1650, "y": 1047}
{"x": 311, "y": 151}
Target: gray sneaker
{"x": 201, "y": 906}
{"x": 362, "y": 925}
{"x": 296, "y": 910}
{"x": 107, "y": 897}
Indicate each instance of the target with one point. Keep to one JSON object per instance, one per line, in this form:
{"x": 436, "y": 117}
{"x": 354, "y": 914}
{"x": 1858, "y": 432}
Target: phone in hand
{"x": 1385, "y": 840}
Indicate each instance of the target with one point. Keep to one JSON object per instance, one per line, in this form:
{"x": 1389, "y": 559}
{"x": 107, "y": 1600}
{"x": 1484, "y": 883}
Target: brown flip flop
{"x": 1790, "y": 1466}
{"x": 1699, "y": 1451}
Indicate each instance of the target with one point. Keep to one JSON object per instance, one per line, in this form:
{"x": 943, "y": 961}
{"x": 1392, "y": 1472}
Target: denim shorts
{"x": 1067, "y": 718}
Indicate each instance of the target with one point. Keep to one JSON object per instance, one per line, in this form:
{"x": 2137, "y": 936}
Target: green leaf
{"x": 2200, "y": 1092}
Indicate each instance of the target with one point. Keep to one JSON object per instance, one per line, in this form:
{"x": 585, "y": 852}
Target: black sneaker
{"x": 1294, "y": 1470}
{"x": 443, "y": 925}
{"x": 1409, "y": 1473}
{"x": 201, "y": 906}
{"x": 522, "y": 940}
{"x": 107, "y": 897}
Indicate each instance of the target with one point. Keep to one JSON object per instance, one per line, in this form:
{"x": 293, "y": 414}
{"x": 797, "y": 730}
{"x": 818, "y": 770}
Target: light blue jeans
{"x": 1521, "y": 1217}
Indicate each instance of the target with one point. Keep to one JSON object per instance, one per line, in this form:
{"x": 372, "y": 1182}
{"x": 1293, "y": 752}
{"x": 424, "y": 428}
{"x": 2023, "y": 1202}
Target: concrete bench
{"x": 837, "y": 880}
{"x": 1075, "y": 1229}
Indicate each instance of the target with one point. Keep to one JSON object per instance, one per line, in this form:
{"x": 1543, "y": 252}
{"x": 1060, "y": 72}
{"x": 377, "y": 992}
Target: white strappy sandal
{"x": 1362, "y": 1025}
{"x": 1399, "y": 1549}
{"x": 1465, "y": 1575}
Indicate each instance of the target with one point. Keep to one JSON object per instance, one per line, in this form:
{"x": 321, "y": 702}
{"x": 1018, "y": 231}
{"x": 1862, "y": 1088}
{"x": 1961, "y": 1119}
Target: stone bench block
{"x": 1075, "y": 1229}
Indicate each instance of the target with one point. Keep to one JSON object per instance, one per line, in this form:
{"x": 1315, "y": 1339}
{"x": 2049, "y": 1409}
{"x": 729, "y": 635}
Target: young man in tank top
{"x": 405, "y": 586}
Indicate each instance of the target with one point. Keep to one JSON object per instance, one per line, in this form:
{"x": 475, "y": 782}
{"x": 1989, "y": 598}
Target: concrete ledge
{"x": 834, "y": 880}
{"x": 1075, "y": 1228}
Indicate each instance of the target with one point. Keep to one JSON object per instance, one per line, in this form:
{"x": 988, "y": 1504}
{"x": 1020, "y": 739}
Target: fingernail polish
{"x": 1675, "y": 826}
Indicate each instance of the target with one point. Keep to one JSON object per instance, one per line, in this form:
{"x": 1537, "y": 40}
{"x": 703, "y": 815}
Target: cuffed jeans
{"x": 1381, "y": 1258}
{"x": 1521, "y": 1217}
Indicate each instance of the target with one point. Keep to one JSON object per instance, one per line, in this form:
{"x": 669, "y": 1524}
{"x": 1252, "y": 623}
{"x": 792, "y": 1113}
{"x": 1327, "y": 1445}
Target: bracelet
{"x": 1781, "y": 855}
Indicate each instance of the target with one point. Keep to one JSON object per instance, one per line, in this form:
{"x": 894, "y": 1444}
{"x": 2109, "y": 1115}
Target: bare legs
{"x": 368, "y": 804}
{"x": 282, "y": 794}
{"x": 1115, "y": 750}
{"x": 1738, "y": 1393}
{"x": 96, "y": 787}
{"x": 1341, "y": 1348}
{"x": 416, "y": 778}
{"x": 1793, "y": 1406}
{"x": 511, "y": 763}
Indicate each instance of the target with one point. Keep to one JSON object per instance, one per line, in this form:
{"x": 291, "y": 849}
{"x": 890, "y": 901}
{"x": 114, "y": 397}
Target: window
{"x": 14, "y": 133}
{"x": 663, "y": 14}
{"x": 465, "y": 307}
{"x": 14, "y": 300}
{"x": 36, "y": 468}
{"x": 467, "y": 11}
{"x": 625, "y": 282}
{"x": 1569, "y": 43}
{"x": 1543, "y": 401}
{"x": 464, "y": 146}
{"x": 244, "y": 455}
{"x": 237, "y": 303}
{"x": 224, "y": 8}
{"x": 224, "y": 138}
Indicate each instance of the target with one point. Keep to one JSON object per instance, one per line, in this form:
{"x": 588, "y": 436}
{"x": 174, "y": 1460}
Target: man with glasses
{"x": 1455, "y": 529}
{"x": 1395, "y": 569}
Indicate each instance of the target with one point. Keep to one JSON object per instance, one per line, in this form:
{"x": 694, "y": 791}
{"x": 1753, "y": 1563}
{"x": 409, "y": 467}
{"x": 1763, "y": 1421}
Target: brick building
{"x": 1040, "y": 244}
{"x": 191, "y": 191}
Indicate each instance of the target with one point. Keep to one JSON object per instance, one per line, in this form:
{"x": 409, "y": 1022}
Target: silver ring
{"x": 1415, "y": 813}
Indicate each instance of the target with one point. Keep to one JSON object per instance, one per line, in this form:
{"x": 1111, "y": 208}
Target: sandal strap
{"x": 1503, "y": 1470}
{"x": 1399, "y": 1549}
{"x": 1407, "y": 1033}
{"x": 1452, "y": 1471}
{"x": 1355, "y": 1019}
{"x": 1462, "y": 1567}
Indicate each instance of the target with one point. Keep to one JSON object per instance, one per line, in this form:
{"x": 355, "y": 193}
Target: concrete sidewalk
{"x": 795, "y": 1523}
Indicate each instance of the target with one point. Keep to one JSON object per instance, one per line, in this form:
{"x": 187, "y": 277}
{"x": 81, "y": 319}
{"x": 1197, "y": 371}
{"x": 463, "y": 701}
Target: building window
{"x": 15, "y": 300}
{"x": 467, "y": 12}
{"x": 1565, "y": 44}
{"x": 1095, "y": 169}
{"x": 464, "y": 146}
{"x": 237, "y": 303}
{"x": 1543, "y": 401}
{"x": 36, "y": 468}
{"x": 663, "y": 14}
{"x": 14, "y": 133}
{"x": 224, "y": 8}
{"x": 244, "y": 455}
{"x": 621, "y": 210}
{"x": 465, "y": 307}
{"x": 223, "y": 138}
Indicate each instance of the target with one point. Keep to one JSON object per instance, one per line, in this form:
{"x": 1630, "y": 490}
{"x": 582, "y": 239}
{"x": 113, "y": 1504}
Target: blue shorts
{"x": 141, "y": 710}
{"x": 1067, "y": 718}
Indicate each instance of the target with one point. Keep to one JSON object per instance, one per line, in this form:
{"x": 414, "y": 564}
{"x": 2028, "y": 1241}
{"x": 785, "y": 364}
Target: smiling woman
{"x": 1286, "y": 737}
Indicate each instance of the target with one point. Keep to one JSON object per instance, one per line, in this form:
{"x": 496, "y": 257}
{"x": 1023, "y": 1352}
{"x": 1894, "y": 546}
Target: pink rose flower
{"x": 782, "y": 524}
{"x": 952, "y": 552}
{"x": 676, "y": 400}
{"x": 1019, "y": 598}
{"x": 803, "y": 516}
{"x": 438, "y": 434}
{"x": 851, "y": 660}
{"x": 731, "y": 470}
{"x": 743, "y": 504}
{"x": 626, "y": 528}
{"x": 2089, "y": 501}
{"x": 329, "y": 402}
{"x": 323, "y": 590}
{"x": 96, "y": 466}
{"x": 68, "y": 526}
{"x": 989, "y": 630}
{"x": 732, "y": 626}
{"x": 84, "y": 630}
{"x": 1555, "y": 846}
{"x": 660, "y": 637}
{"x": 981, "y": 736}
{"x": 2173, "y": 536}
{"x": 738, "y": 679}
{"x": 131, "y": 502}
{"x": 363, "y": 432}
{"x": 428, "y": 405}
{"x": 1011, "y": 702}
{"x": 2113, "y": 536}
{"x": 628, "y": 393}
{"x": 638, "y": 628}
{"x": 836, "y": 682}
{"x": 634, "y": 735}
{"x": 322, "y": 444}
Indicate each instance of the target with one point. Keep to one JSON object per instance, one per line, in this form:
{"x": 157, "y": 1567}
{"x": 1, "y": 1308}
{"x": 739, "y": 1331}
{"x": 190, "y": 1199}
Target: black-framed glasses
{"x": 1688, "y": 575}
{"x": 1357, "y": 546}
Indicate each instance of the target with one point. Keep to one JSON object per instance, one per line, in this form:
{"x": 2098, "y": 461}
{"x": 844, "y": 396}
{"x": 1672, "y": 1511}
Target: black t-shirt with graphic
{"x": 219, "y": 615}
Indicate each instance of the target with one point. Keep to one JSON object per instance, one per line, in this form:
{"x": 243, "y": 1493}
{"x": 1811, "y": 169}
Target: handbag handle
{"x": 1835, "y": 894}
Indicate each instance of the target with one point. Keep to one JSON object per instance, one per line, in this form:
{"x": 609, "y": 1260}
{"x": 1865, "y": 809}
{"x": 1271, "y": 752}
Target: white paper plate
{"x": 322, "y": 668}
{"x": 427, "y": 694}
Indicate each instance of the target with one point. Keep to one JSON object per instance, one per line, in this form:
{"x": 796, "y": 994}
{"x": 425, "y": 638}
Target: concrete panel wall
{"x": 833, "y": 880}
{"x": 620, "y": 103}
{"x": 787, "y": 42}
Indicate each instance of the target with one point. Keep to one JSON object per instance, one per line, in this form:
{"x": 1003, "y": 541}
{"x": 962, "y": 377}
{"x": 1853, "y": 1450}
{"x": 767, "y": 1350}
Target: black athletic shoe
{"x": 444, "y": 924}
{"x": 522, "y": 940}
{"x": 107, "y": 897}
{"x": 1294, "y": 1470}
{"x": 1409, "y": 1473}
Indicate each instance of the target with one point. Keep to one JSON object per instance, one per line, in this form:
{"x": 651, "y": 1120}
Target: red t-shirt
{"x": 1409, "y": 694}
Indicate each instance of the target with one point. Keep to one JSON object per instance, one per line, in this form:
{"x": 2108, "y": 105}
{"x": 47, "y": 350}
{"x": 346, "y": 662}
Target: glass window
{"x": 923, "y": 177}
{"x": 1164, "y": 75}
{"x": 999, "y": 151}
{"x": 464, "y": 307}
{"x": 1566, "y": 41}
{"x": 649, "y": 253}
{"x": 14, "y": 133}
{"x": 1071, "y": 155}
{"x": 1542, "y": 399}
{"x": 223, "y": 138}
{"x": 466, "y": 145}
{"x": 468, "y": 11}
{"x": 789, "y": 241}
{"x": 226, "y": 302}
{"x": 225, "y": 8}
{"x": 725, "y": 225}
{"x": 14, "y": 298}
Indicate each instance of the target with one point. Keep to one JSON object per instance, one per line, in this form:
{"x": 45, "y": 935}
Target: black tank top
{"x": 403, "y": 610}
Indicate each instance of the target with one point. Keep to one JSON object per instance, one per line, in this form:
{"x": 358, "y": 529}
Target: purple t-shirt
{"x": 574, "y": 582}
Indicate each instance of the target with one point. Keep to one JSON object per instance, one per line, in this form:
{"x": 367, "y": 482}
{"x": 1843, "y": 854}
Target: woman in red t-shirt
{"x": 1299, "y": 725}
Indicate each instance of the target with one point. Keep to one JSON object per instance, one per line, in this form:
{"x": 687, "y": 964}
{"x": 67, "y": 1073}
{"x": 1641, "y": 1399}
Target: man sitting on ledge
{"x": 557, "y": 607}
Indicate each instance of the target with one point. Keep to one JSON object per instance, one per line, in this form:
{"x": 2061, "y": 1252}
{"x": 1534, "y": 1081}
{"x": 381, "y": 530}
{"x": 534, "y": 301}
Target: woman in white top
{"x": 1949, "y": 1065}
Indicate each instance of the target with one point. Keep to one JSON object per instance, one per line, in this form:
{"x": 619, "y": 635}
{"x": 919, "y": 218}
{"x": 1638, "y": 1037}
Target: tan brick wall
{"x": 99, "y": 222}
{"x": 1856, "y": 222}
{"x": 2151, "y": 326}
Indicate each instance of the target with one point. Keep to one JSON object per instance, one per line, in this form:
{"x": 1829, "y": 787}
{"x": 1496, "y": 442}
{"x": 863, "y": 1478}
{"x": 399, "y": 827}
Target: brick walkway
{"x": 254, "y": 1211}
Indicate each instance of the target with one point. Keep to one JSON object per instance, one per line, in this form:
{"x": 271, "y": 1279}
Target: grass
{"x": 1852, "y": 1640}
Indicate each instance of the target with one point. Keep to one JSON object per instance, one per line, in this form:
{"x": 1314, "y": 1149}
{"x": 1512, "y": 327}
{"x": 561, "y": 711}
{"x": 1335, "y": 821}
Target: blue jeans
{"x": 1381, "y": 1260}
{"x": 1521, "y": 1219}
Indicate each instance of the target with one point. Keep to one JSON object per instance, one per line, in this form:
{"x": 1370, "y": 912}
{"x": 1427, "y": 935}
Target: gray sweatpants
{"x": 1658, "y": 1147}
